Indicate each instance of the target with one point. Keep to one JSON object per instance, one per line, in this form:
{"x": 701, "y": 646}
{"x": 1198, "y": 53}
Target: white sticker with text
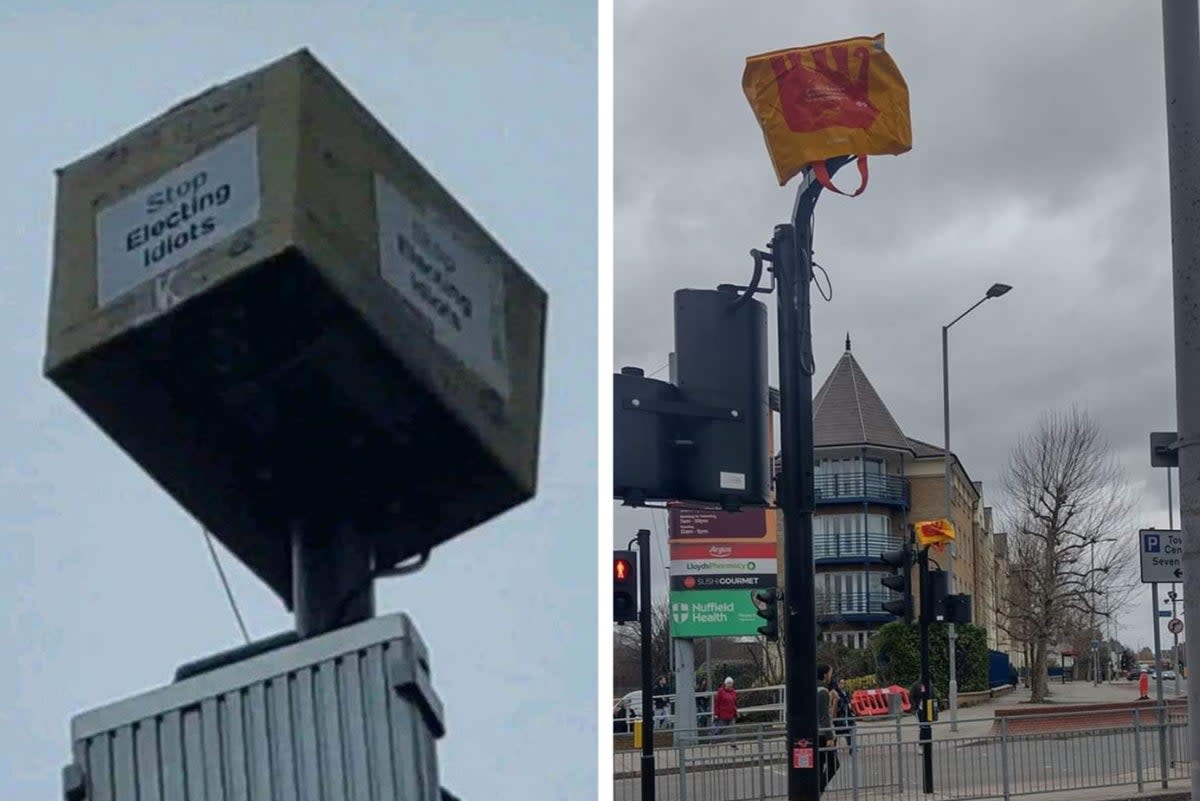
{"x": 453, "y": 285}
{"x": 733, "y": 481}
{"x": 186, "y": 211}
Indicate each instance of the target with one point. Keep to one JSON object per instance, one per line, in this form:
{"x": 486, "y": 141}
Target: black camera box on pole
{"x": 285, "y": 320}
{"x": 721, "y": 356}
{"x": 645, "y": 453}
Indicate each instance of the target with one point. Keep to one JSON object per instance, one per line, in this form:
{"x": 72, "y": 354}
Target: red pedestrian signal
{"x": 621, "y": 570}
{"x": 625, "y": 589}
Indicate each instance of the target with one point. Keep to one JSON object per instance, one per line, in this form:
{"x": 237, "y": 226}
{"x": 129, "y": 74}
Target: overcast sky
{"x": 107, "y": 585}
{"x": 1039, "y": 160}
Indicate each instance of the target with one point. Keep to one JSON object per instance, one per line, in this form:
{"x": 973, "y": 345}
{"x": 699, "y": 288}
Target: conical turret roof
{"x": 848, "y": 410}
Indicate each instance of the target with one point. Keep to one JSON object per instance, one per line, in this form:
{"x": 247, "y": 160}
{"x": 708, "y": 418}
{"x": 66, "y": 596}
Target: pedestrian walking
{"x": 916, "y": 695}
{"x": 725, "y": 707}
{"x": 703, "y": 703}
{"x": 844, "y": 716}
{"x": 826, "y": 735}
{"x": 662, "y": 702}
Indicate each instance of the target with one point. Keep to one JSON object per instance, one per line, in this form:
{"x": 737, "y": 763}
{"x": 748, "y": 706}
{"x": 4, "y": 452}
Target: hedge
{"x": 868, "y": 682}
{"x": 898, "y": 657}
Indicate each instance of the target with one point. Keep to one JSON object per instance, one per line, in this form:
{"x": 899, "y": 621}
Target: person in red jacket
{"x": 725, "y": 706}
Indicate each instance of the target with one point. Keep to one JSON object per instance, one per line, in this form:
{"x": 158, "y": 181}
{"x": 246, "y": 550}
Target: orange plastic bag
{"x": 844, "y": 98}
{"x": 934, "y": 532}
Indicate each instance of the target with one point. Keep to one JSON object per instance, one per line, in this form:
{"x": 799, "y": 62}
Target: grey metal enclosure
{"x": 348, "y": 716}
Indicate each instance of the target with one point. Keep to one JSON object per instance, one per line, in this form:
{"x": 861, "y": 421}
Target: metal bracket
{"x": 74, "y": 783}
{"x": 408, "y": 672}
{"x": 684, "y": 409}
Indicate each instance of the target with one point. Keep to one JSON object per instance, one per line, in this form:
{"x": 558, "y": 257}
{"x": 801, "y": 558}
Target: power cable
{"x": 225, "y": 582}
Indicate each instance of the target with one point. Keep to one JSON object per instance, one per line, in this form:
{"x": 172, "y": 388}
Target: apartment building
{"x": 872, "y": 481}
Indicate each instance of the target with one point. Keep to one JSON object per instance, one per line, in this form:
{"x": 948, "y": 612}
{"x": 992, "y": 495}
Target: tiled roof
{"x": 922, "y": 449}
{"x": 848, "y": 411}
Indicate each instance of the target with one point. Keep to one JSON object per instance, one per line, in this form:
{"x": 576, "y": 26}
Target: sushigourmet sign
{"x": 718, "y": 560}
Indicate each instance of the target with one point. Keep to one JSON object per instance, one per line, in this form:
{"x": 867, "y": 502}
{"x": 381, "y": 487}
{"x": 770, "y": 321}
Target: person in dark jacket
{"x": 843, "y": 717}
{"x": 916, "y": 696}
{"x": 662, "y": 702}
{"x": 827, "y": 759}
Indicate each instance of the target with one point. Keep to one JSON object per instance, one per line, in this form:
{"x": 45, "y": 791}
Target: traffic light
{"x": 625, "y": 586}
{"x": 902, "y": 561}
{"x": 768, "y": 609}
{"x": 939, "y": 592}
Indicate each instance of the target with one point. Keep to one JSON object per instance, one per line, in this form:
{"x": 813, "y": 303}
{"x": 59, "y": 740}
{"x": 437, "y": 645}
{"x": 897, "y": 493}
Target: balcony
{"x": 855, "y": 607}
{"x": 861, "y": 487}
{"x": 855, "y": 547}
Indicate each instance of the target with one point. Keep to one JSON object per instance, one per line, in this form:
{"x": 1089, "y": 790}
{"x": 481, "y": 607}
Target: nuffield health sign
{"x": 718, "y": 560}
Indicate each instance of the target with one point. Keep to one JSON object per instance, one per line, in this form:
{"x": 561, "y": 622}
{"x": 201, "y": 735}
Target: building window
{"x": 852, "y": 593}
{"x": 849, "y": 639}
{"x": 851, "y": 535}
{"x": 854, "y": 464}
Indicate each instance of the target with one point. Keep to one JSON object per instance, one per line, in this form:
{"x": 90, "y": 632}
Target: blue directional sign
{"x": 1161, "y": 552}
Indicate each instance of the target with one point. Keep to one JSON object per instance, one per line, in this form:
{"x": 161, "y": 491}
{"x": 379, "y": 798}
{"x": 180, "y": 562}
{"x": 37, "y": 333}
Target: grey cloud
{"x": 1039, "y": 159}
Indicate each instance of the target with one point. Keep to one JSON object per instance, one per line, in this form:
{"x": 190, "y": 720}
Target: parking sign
{"x": 1161, "y": 553}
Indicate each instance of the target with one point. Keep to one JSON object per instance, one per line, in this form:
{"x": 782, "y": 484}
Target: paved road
{"x": 966, "y": 764}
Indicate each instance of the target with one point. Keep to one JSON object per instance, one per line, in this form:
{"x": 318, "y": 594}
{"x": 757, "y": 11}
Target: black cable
{"x": 808, "y": 364}
{"x": 401, "y": 569}
{"x": 225, "y": 581}
{"x": 755, "y": 278}
{"x": 828, "y": 283}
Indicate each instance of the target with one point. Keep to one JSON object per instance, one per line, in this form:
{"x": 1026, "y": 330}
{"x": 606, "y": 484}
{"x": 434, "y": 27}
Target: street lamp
{"x": 994, "y": 291}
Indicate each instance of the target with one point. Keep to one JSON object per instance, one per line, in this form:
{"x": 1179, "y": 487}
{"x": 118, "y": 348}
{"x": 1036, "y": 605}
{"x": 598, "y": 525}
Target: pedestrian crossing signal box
{"x": 283, "y": 318}
{"x": 625, "y": 587}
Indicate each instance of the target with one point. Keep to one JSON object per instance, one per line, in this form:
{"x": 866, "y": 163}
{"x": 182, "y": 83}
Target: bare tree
{"x": 627, "y": 645}
{"x": 1069, "y": 509}
{"x": 767, "y": 658}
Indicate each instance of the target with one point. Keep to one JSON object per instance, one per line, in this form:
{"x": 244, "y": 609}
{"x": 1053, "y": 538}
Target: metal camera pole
{"x": 645, "y": 620}
{"x": 1181, "y": 59}
{"x": 332, "y": 571}
{"x": 1173, "y": 595}
{"x": 792, "y": 260}
{"x": 925, "y": 712}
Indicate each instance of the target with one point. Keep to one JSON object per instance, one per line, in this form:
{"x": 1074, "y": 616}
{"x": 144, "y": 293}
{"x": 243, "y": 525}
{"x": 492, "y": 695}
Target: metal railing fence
{"x": 988, "y": 758}
{"x": 861, "y": 486}
{"x": 853, "y": 544}
{"x": 833, "y": 604}
{"x": 764, "y": 703}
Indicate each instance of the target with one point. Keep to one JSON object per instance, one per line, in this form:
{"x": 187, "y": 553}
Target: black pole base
{"x": 645, "y": 620}
{"x": 332, "y": 571}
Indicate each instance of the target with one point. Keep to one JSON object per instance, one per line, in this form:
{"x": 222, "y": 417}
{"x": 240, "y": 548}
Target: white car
{"x": 629, "y": 708}
{"x": 1168, "y": 675}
